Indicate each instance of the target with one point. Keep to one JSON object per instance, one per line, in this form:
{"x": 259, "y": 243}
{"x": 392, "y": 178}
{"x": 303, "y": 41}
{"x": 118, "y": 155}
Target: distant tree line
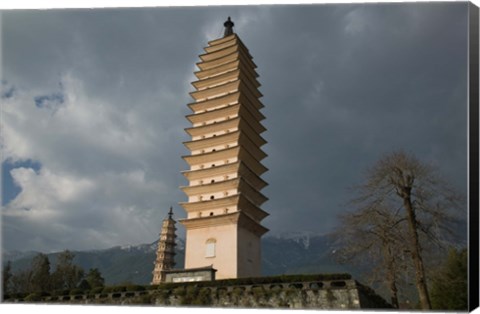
{"x": 39, "y": 277}
{"x": 401, "y": 223}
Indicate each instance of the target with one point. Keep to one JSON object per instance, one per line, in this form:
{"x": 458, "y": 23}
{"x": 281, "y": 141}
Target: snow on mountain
{"x": 151, "y": 247}
{"x": 300, "y": 237}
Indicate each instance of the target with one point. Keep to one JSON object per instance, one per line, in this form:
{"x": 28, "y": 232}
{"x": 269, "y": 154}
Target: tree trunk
{"x": 421, "y": 282}
{"x": 391, "y": 278}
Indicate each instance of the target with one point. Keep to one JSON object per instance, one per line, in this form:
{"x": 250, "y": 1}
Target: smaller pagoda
{"x": 166, "y": 250}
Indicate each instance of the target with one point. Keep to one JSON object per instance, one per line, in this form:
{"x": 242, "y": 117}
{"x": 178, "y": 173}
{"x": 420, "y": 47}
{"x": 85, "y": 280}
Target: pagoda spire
{"x": 166, "y": 249}
{"x": 228, "y": 27}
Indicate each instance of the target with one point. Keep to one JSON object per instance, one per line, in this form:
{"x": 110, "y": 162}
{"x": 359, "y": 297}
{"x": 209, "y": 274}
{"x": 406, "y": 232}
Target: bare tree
{"x": 372, "y": 236}
{"x": 419, "y": 205}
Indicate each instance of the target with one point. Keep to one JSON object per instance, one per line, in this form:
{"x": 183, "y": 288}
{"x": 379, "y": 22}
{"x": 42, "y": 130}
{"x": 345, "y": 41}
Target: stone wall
{"x": 335, "y": 294}
{"x": 294, "y": 295}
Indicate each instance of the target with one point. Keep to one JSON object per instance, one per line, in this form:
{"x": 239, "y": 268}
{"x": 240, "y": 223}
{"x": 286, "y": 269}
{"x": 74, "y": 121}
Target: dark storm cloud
{"x": 343, "y": 84}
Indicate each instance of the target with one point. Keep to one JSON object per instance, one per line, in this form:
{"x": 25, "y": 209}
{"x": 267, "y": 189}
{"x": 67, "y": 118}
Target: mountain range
{"x": 298, "y": 253}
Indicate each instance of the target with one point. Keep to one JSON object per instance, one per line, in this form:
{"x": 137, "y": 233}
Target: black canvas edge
{"x": 473, "y": 95}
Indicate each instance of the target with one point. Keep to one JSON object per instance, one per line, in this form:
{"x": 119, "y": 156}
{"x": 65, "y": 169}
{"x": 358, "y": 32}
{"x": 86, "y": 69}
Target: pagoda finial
{"x": 228, "y": 27}
{"x": 170, "y": 213}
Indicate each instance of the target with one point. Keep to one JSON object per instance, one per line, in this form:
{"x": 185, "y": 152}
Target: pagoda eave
{"x": 237, "y": 53}
{"x": 192, "y": 190}
{"x": 219, "y": 41}
{"x": 240, "y": 167}
{"x": 225, "y": 49}
{"x": 226, "y": 111}
{"x": 214, "y": 171}
{"x": 228, "y": 76}
{"x": 220, "y": 53}
{"x": 210, "y": 82}
{"x": 209, "y": 221}
{"x": 231, "y": 152}
{"x": 208, "y": 204}
{"x": 232, "y": 41}
{"x": 213, "y": 127}
{"x": 214, "y": 92}
{"x": 243, "y": 186}
{"x": 227, "y": 153}
{"x": 235, "y": 60}
{"x": 213, "y": 141}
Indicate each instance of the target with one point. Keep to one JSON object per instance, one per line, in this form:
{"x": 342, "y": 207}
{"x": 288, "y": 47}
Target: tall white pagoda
{"x": 223, "y": 223}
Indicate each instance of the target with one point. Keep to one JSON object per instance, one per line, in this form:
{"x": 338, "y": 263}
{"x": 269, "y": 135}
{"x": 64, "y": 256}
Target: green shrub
{"x": 163, "y": 294}
{"x": 96, "y": 290}
{"x": 191, "y": 293}
{"x": 260, "y": 292}
{"x": 152, "y": 287}
{"x": 33, "y": 297}
{"x": 143, "y": 299}
{"x": 171, "y": 285}
{"x": 238, "y": 291}
{"x": 135, "y": 288}
{"x": 61, "y": 292}
{"x": 77, "y": 291}
{"x": 179, "y": 291}
{"x": 108, "y": 289}
{"x": 18, "y": 295}
{"x": 222, "y": 292}
{"x": 119, "y": 289}
{"x": 203, "y": 297}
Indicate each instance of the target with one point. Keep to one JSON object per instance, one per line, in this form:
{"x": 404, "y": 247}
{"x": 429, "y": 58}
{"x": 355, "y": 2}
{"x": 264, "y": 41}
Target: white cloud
{"x": 41, "y": 192}
{"x": 92, "y": 190}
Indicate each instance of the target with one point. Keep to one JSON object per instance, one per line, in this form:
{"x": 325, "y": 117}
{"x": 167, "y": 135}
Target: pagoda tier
{"x": 232, "y": 218}
{"x": 200, "y": 176}
{"x": 233, "y": 109}
{"x": 221, "y": 79}
{"x": 230, "y": 186}
{"x": 224, "y": 183}
{"x": 223, "y": 141}
{"x": 226, "y": 100}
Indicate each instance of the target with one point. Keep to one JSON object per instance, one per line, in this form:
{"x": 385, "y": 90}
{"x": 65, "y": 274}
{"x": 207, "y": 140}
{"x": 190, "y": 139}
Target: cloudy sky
{"x": 94, "y": 104}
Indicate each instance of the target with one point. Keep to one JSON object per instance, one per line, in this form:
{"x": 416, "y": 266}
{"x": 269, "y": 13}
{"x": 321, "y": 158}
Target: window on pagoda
{"x": 210, "y": 247}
